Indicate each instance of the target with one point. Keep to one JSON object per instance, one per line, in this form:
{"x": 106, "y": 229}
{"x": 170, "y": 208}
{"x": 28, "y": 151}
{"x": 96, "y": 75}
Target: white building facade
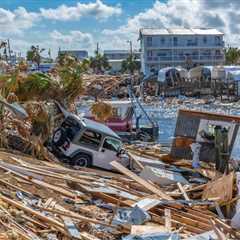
{"x": 79, "y": 54}
{"x": 115, "y": 58}
{"x": 180, "y": 47}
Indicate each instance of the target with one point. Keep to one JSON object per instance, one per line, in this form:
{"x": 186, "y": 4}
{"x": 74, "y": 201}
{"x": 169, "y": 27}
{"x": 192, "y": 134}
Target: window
{"x": 149, "y": 53}
{"x": 162, "y": 40}
{"x": 204, "y": 39}
{"x": 112, "y": 144}
{"x": 217, "y": 41}
{"x": 149, "y": 41}
{"x": 90, "y": 138}
{"x": 175, "y": 41}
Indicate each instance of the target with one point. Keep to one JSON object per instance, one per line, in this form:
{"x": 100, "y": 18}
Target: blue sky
{"x": 81, "y": 24}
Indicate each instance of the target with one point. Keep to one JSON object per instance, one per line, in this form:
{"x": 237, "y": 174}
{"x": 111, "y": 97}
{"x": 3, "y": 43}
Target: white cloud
{"x": 17, "y": 20}
{"x": 184, "y": 13}
{"x": 73, "y": 38}
{"x": 94, "y": 9}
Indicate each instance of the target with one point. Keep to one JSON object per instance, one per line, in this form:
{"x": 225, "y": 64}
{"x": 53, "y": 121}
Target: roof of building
{"x": 180, "y": 31}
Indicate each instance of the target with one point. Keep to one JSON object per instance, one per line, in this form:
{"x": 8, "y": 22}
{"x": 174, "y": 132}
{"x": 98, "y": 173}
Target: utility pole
{"x": 131, "y": 57}
{"x": 97, "y": 51}
{"x": 130, "y": 44}
{"x": 9, "y": 50}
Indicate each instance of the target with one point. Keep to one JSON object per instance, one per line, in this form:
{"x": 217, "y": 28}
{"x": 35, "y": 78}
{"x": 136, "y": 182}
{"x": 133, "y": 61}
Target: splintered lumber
{"x": 76, "y": 216}
{"x": 167, "y": 214}
{"x": 143, "y": 229}
{"x": 222, "y": 188}
{"x": 183, "y": 192}
{"x": 37, "y": 214}
{"x": 15, "y": 187}
{"x": 141, "y": 181}
{"x": 133, "y": 157}
{"x": 40, "y": 183}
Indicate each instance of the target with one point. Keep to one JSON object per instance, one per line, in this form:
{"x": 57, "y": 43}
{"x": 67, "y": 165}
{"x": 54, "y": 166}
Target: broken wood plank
{"x": 167, "y": 214}
{"x": 37, "y": 214}
{"x": 221, "y": 188}
{"x": 141, "y": 181}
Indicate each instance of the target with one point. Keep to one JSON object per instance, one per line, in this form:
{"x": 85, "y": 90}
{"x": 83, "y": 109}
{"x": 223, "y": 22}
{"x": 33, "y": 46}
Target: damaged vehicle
{"x": 82, "y": 142}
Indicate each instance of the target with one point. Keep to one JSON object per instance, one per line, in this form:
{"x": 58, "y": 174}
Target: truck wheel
{"x": 82, "y": 160}
{"x": 59, "y": 137}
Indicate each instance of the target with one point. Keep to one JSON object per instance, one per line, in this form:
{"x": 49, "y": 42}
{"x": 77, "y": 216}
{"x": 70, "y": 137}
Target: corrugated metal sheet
{"x": 187, "y": 126}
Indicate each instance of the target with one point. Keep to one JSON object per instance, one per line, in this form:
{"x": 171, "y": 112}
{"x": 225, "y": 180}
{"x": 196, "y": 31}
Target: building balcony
{"x": 184, "y": 46}
{"x": 181, "y": 58}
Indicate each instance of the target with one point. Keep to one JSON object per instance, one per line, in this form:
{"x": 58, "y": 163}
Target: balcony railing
{"x": 184, "y": 45}
{"x": 184, "y": 58}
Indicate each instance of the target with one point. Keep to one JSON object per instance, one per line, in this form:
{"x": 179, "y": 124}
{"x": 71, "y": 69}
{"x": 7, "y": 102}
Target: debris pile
{"x": 107, "y": 86}
{"x": 46, "y": 200}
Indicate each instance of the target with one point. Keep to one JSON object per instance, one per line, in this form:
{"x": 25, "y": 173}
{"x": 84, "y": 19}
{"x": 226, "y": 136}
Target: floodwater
{"x": 165, "y": 114}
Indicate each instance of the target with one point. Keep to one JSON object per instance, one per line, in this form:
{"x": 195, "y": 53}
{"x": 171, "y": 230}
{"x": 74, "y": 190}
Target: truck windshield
{"x": 112, "y": 144}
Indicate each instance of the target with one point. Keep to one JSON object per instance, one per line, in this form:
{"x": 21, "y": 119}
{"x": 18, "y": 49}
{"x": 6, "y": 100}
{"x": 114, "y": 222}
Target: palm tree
{"x": 130, "y": 65}
{"x": 34, "y": 55}
{"x": 99, "y": 63}
{"x": 63, "y": 85}
{"x": 232, "y": 55}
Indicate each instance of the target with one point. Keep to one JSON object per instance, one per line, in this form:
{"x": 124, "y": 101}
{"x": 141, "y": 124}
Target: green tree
{"x": 99, "y": 63}
{"x": 130, "y": 65}
{"x": 34, "y": 55}
{"x": 232, "y": 55}
{"x": 64, "y": 84}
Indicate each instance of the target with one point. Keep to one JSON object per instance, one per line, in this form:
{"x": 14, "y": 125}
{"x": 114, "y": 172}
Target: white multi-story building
{"x": 79, "y": 54}
{"x": 115, "y": 58}
{"x": 180, "y": 47}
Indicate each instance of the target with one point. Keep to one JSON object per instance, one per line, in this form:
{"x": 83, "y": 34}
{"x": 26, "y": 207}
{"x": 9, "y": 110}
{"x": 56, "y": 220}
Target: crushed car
{"x": 82, "y": 142}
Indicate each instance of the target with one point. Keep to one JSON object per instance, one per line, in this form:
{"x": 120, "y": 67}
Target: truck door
{"x": 108, "y": 152}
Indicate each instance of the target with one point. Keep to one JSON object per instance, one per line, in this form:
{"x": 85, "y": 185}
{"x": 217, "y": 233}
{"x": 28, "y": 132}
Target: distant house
{"x": 43, "y": 67}
{"x": 79, "y": 54}
{"x": 115, "y": 58}
{"x": 185, "y": 47}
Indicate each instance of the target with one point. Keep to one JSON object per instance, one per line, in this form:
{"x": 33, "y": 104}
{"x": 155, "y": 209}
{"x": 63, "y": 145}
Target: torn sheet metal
{"x": 111, "y": 190}
{"x": 153, "y": 236}
{"x": 71, "y": 228}
{"x": 130, "y": 216}
{"x": 147, "y": 203}
{"x": 162, "y": 177}
{"x": 15, "y": 108}
{"x": 204, "y": 236}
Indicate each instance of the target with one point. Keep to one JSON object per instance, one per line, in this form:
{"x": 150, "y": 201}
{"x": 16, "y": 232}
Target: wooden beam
{"x": 141, "y": 181}
{"x": 37, "y": 214}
